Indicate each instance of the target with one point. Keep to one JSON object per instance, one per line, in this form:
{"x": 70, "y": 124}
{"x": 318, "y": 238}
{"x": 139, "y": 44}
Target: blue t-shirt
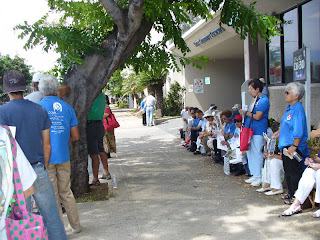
{"x": 30, "y": 119}
{"x": 294, "y": 125}
{"x": 230, "y": 128}
{"x": 63, "y": 118}
{"x": 260, "y": 126}
{"x": 195, "y": 122}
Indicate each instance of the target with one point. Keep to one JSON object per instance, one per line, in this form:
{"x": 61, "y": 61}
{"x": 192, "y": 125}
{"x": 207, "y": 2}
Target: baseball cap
{"x": 14, "y": 81}
{"x": 238, "y": 117}
{"x": 37, "y": 77}
{"x": 234, "y": 113}
{"x": 213, "y": 106}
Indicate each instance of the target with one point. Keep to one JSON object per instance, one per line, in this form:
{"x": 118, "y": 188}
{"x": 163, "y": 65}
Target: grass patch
{"x": 97, "y": 193}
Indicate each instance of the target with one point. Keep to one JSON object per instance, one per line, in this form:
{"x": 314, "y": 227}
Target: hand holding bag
{"x": 110, "y": 122}
{"x": 246, "y": 134}
{"x": 20, "y": 224}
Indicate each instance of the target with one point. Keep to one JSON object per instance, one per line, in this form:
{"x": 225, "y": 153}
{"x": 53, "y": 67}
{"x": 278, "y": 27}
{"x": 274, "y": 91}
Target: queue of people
{"x": 220, "y": 138}
{"x": 41, "y": 150}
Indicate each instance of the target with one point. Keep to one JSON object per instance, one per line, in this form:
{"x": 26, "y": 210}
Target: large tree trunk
{"x": 159, "y": 95}
{"x": 88, "y": 80}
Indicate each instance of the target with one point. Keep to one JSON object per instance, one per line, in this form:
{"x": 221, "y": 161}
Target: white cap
{"x": 262, "y": 80}
{"x": 37, "y": 77}
{"x": 208, "y": 114}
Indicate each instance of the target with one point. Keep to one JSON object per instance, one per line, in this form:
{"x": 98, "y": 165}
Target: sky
{"x": 13, "y": 12}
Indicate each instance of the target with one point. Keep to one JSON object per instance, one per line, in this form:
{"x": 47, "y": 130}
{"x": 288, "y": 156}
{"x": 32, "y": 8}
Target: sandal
{"x": 95, "y": 183}
{"x": 284, "y": 197}
{"x": 106, "y": 176}
{"x": 316, "y": 214}
{"x": 291, "y": 210}
{"x": 289, "y": 201}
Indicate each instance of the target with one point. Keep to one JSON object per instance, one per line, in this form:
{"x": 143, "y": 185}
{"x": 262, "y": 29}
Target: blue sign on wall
{"x": 211, "y": 35}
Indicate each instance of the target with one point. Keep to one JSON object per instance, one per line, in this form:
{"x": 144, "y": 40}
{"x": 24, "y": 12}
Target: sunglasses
{"x": 236, "y": 120}
{"x": 286, "y": 92}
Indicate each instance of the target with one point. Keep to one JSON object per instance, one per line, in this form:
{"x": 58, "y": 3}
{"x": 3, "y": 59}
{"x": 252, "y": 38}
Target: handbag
{"x": 246, "y": 134}
{"x": 110, "y": 122}
{"x": 20, "y": 224}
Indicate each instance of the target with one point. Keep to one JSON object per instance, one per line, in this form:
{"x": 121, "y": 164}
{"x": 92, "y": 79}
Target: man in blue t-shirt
{"x": 64, "y": 129}
{"x": 258, "y": 120}
{"x": 33, "y": 135}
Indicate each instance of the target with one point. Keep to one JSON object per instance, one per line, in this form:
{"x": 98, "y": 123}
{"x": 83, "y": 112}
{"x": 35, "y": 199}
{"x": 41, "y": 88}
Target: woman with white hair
{"x": 293, "y": 135}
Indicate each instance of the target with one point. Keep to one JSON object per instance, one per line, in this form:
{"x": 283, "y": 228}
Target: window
{"x": 311, "y": 35}
{"x": 290, "y": 32}
{"x": 275, "y": 72}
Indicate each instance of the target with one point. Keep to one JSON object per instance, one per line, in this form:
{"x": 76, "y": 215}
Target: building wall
{"x": 278, "y": 105}
{"x": 226, "y": 78}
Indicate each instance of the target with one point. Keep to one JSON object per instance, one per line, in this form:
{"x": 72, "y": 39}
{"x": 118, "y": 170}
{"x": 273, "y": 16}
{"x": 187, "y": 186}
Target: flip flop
{"x": 316, "y": 214}
{"x": 290, "y": 211}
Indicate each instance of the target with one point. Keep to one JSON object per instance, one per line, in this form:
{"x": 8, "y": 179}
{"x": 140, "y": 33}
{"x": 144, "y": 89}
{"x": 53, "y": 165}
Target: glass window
{"x": 290, "y": 32}
{"x": 311, "y": 35}
{"x": 275, "y": 72}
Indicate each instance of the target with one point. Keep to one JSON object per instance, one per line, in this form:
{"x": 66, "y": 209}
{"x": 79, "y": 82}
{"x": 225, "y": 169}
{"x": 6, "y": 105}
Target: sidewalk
{"x": 165, "y": 192}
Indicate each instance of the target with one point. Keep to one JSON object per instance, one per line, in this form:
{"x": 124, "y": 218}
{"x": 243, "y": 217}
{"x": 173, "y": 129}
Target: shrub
{"x": 173, "y": 103}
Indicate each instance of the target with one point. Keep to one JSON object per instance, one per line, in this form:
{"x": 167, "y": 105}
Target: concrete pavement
{"x": 165, "y": 192}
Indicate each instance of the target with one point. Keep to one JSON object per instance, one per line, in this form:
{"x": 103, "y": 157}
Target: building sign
{"x": 211, "y": 35}
{"x": 207, "y": 80}
{"x": 299, "y": 64}
{"x": 198, "y": 86}
{"x": 190, "y": 88}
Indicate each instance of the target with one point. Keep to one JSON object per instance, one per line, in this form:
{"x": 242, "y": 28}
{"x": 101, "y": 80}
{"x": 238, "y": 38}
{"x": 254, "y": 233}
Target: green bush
{"x": 173, "y": 103}
{"x": 123, "y": 104}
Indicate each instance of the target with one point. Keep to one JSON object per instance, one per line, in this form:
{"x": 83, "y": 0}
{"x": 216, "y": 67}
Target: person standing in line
{"x": 33, "y": 136}
{"x": 95, "y": 133}
{"x": 293, "y": 135}
{"x": 150, "y": 106}
{"x": 109, "y": 140}
{"x": 36, "y": 95}
{"x": 259, "y": 119}
{"x": 64, "y": 128}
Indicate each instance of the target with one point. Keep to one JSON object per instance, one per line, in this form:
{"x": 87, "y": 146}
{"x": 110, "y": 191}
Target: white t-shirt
{"x": 27, "y": 175}
{"x": 150, "y": 101}
{"x": 202, "y": 123}
{"x": 185, "y": 115}
{"x": 34, "y": 97}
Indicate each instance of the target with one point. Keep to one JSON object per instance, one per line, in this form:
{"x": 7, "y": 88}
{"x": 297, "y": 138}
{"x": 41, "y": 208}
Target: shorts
{"x": 95, "y": 133}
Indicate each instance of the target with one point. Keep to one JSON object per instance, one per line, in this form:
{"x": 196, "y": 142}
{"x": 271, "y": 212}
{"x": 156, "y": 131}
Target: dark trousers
{"x": 194, "y": 136}
{"x": 182, "y": 134}
{"x": 144, "y": 119}
{"x": 217, "y": 152}
{"x": 292, "y": 171}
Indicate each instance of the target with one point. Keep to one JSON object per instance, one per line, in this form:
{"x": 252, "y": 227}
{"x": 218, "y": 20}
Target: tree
{"x": 133, "y": 85}
{"x": 95, "y": 38}
{"x": 173, "y": 103}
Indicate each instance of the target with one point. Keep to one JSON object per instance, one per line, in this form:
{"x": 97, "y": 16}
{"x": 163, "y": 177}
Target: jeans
{"x": 149, "y": 112}
{"x": 255, "y": 155}
{"x": 46, "y": 203}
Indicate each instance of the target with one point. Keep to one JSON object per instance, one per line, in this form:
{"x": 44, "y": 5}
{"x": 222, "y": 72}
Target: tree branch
{"x": 135, "y": 13}
{"x": 116, "y": 13}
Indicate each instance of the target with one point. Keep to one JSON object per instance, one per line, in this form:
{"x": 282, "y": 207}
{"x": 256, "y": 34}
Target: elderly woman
{"x": 109, "y": 140}
{"x": 293, "y": 135}
{"x": 259, "y": 119}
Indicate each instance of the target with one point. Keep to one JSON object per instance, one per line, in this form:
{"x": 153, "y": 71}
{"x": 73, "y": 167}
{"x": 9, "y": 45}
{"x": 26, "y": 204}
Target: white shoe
{"x": 74, "y": 230}
{"x": 271, "y": 193}
{"x": 256, "y": 182}
{"x": 250, "y": 180}
{"x": 263, "y": 189}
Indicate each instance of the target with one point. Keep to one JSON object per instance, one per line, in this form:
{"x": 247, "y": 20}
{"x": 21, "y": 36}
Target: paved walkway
{"x": 165, "y": 192}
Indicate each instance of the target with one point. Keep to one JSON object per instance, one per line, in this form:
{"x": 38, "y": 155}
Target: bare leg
{"x": 104, "y": 160}
{"x": 95, "y": 166}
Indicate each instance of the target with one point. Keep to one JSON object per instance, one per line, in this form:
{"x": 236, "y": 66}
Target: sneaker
{"x": 263, "y": 189}
{"x": 250, "y": 180}
{"x": 74, "y": 230}
{"x": 256, "y": 182}
{"x": 271, "y": 193}
{"x": 95, "y": 183}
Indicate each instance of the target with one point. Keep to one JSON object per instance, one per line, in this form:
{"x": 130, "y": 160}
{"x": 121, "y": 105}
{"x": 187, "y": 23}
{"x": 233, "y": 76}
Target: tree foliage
{"x": 173, "y": 103}
{"x": 17, "y": 63}
{"x": 84, "y": 25}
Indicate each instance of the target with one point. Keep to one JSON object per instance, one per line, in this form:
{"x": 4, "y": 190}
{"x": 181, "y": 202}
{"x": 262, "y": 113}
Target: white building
{"x": 234, "y": 60}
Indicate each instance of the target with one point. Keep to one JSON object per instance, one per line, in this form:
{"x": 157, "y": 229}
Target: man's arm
{"x": 74, "y": 134}
{"x": 45, "y": 137}
{"x": 28, "y": 192}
